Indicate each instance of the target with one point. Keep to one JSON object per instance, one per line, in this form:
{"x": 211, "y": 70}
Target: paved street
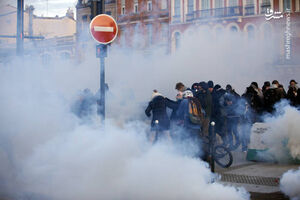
{"x": 260, "y": 179}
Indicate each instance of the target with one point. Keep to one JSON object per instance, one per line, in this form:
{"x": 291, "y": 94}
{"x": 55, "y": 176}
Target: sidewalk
{"x": 260, "y": 179}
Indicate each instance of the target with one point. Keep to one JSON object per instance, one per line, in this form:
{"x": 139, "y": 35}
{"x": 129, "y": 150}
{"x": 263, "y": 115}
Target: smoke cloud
{"x": 46, "y": 151}
{"x": 289, "y": 184}
{"x": 283, "y": 139}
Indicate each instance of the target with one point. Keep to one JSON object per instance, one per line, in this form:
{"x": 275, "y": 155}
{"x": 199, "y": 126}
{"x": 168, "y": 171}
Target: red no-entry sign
{"x": 104, "y": 29}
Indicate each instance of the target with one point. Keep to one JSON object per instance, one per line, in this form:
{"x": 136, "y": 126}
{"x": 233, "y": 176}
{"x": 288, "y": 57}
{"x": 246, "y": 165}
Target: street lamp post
{"x": 20, "y": 28}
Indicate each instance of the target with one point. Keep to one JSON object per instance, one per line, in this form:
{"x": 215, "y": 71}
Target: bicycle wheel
{"x": 222, "y": 156}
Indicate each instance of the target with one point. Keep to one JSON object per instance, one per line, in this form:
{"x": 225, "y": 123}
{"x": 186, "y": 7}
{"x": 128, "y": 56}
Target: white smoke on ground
{"x": 290, "y": 185}
{"x": 283, "y": 138}
{"x": 46, "y": 152}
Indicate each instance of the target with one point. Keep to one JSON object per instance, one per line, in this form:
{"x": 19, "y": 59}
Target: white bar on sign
{"x": 103, "y": 29}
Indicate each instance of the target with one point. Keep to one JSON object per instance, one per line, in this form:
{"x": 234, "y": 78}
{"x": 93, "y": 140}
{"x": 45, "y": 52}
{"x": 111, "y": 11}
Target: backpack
{"x": 195, "y": 112}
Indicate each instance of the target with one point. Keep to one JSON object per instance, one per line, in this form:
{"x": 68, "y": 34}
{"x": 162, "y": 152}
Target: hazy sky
{"x": 55, "y": 7}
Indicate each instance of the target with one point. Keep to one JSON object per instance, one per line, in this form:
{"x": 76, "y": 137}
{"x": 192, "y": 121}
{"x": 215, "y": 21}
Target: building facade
{"x": 143, "y": 23}
{"x": 58, "y": 34}
{"x": 247, "y": 17}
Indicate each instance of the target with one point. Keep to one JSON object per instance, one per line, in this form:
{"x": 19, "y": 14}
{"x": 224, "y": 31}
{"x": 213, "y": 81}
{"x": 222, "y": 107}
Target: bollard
{"x": 211, "y": 146}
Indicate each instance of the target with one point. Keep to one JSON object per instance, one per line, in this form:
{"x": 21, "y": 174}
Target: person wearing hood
{"x": 293, "y": 93}
{"x": 158, "y": 106}
{"x": 195, "y": 89}
{"x": 230, "y": 90}
{"x": 210, "y": 86}
{"x": 206, "y": 102}
{"x": 271, "y": 96}
{"x": 280, "y": 92}
{"x": 217, "y": 117}
{"x": 229, "y": 111}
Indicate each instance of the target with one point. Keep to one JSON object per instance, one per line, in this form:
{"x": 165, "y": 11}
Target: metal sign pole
{"x": 102, "y": 53}
{"x": 20, "y": 27}
{"x": 212, "y": 145}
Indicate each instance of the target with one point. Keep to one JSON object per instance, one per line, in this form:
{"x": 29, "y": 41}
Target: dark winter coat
{"x": 206, "y": 102}
{"x": 253, "y": 99}
{"x": 292, "y": 95}
{"x": 271, "y": 97}
{"x": 158, "y": 105}
{"x": 216, "y": 108}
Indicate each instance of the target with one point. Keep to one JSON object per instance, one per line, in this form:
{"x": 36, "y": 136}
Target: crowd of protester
{"x": 204, "y": 102}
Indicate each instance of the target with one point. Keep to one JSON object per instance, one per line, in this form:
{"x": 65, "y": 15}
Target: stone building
{"x": 58, "y": 33}
{"x": 143, "y": 23}
{"x": 242, "y": 16}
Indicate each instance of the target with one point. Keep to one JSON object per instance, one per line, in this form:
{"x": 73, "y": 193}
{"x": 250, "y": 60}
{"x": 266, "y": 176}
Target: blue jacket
{"x": 183, "y": 114}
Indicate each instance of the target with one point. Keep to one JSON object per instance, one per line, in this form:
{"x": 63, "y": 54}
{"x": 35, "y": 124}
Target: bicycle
{"x": 219, "y": 153}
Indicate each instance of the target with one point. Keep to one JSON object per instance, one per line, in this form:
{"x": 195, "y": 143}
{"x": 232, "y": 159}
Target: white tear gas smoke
{"x": 44, "y": 151}
{"x": 290, "y": 185}
{"x": 46, "y": 154}
{"x": 283, "y": 138}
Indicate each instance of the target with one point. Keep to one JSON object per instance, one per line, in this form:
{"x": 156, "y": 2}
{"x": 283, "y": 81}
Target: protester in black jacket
{"x": 293, "y": 93}
{"x": 158, "y": 106}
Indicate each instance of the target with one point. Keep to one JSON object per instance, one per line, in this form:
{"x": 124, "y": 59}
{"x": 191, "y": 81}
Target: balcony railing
{"x": 143, "y": 15}
{"x": 203, "y": 13}
{"x": 176, "y": 18}
{"x": 249, "y": 9}
{"x": 110, "y": 1}
{"x": 163, "y": 13}
{"x": 234, "y": 11}
{"x": 189, "y": 16}
{"x": 219, "y": 12}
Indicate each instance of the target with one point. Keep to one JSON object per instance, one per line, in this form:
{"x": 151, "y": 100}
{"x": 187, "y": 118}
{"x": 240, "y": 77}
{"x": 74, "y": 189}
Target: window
{"x": 122, "y": 36}
{"x": 177, "y": 8}
{"x": 297, "y": 5}
{"x": 123, "y": 7}
{"x": 164, "y": 32}
{"x": 286, "y": 5}
{"x": 249, "y": 7}
{"x": 250, "y": 31}
{"x": 205, "y": 4}
{"x": 219, "y": 8}
{"x": 84, "y": 18}
{"x": 108, "y": 12}
{"x": 136, "y": 7}
{"x": 149, "y": 6}
{"x": 219, "y": 3}
{"x": 164, "y": 4}
{"x": 150, "y": 31}
{"x": 249, "y": 2}
{"x": 233, "y": 29}
{"x": 190, "y": 6}
{"x": 177, "y": 40}
{"x": 266, "y": 4}
{"x": 233, "y": 3}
